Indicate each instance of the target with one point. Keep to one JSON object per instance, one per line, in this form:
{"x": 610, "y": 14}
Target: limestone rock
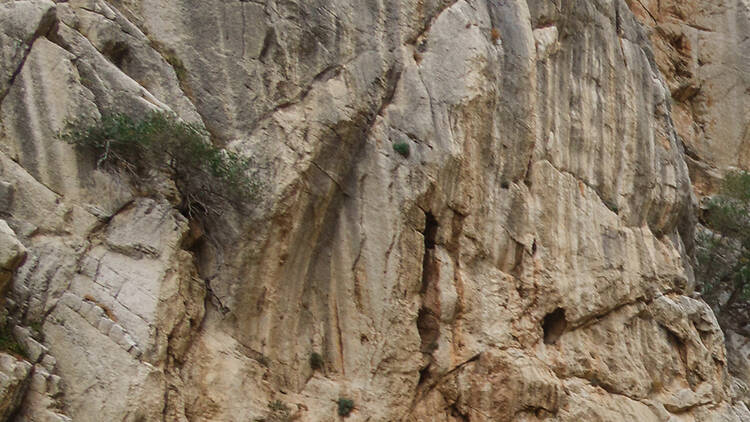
{"x": 527, "y": 258}
{"x": 696, "y": 47}
{"x": 14, "y": 380}
{"x": 12, "y": 254}
{"x": 22, "y": 22}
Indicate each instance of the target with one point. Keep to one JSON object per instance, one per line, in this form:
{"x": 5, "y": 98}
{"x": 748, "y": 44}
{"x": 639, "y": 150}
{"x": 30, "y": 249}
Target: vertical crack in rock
{"x": 428, "y": 320}
{"x": 457, "y": 414}
{"x": 428, "y": 25}
{"x": 424, "y": 375}
{"x": 46, "y": 24}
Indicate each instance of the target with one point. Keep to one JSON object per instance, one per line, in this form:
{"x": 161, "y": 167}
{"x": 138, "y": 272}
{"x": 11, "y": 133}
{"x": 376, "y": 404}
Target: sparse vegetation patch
{"x": 723, "y": 253}
{"x": 277, "y": 412}
{"x": 316, "y": 361}
{"x": 9, "y": 344}
{"x": 345, "y": 406}
{"x": 402, "y": 148}
{"x": 208, "y": 177}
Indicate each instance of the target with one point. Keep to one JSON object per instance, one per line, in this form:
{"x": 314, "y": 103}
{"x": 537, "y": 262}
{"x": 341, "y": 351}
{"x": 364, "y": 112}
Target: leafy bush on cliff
{"x": 207, "y": 176}
{"x": 402, "y": 148}
{"x": 277, "y": 412}
{"x": 345, "y": 406}
{"x": 723, "y": 255}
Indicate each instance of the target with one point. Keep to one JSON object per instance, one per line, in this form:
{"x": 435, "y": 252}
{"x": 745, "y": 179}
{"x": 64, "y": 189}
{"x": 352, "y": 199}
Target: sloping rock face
{"x": 701, "y": 49}
{"x": 524, "y": 257}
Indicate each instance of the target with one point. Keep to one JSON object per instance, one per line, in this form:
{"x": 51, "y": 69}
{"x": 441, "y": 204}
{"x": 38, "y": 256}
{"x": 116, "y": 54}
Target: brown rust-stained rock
{"x": 698, "y": 47}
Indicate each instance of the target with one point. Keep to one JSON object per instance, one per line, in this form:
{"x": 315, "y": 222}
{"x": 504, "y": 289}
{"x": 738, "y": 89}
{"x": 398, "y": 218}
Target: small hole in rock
{"x": 554, "y": 325}
{"x": 117, "y": 52}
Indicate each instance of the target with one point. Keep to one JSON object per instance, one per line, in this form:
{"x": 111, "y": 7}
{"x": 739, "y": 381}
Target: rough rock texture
{"x": 527, "y": 260}
{"x": 14, "y": 375}
{"x": 12, "y": 254}
{"x": 702, "y": 50}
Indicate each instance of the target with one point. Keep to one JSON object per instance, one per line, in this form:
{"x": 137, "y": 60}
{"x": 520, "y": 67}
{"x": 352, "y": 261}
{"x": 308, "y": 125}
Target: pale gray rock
{"x": 34, "y": 350}
{"x": 14, "y": 380}
{"x": 12, "y": 254}
{"x": 22, "y": 22}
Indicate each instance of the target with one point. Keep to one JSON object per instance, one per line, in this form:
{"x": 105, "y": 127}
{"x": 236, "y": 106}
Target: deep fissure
{"x": 428, "y": 321}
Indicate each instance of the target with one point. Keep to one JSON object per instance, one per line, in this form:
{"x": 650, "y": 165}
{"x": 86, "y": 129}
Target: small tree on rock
{"x": 723, "y": 254}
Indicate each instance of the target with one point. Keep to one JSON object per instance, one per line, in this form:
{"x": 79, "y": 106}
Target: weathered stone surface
{"x": 14, "y": 380}
{"x": 700, "y": 49}
{"x": 22, "y": 22}
{"x": 12, "y": 254}
{"x": 527, "y": 259}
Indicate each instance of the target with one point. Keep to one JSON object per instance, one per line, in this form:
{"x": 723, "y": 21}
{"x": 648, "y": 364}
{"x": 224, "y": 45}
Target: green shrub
{"x": 179, "y": 68}
{"x": 9, "y": 344}
{"x": 207, "y": 176}
{"x": 277, "y": 412}
{"x": 316, "y": 361}
{"x": 402, "y": 148}
{"x": 612, "y": 206}
{"x": 171, "y": 57}
{"x": 345, "y": 406}
{"x": 723, "y": 250}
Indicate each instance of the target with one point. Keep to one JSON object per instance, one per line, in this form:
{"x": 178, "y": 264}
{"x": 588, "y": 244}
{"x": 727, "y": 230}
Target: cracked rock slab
{"x": 14, "y": 380}
{"x": 21, "y": 22}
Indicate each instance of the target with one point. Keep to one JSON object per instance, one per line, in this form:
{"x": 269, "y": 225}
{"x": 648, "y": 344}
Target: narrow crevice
{"x": 651, "y": 15}
{"x": 428, "y": 25}
{"x": 428, "y": 260}
{"x": 690, "y": 152}
{"x": 424, "y": 376}
{"x": 428, "y": 325}
{"x": 23, "y": 391}
{"x": 457, "y": 414}
{"x": 679, "y": 345}
{"x": 431, "y": 382}
{"x": 390, "y": 80}
{"x": 428, "y": 319}
{"x": 46, "y": 25}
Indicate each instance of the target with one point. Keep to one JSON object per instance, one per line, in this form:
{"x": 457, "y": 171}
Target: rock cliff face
{"x": 524, "y": 257}
{"x": 701, "y": 49}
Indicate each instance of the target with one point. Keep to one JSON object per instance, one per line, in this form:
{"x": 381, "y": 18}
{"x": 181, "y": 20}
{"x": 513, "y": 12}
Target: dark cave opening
{"x": 554, "y": 325}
